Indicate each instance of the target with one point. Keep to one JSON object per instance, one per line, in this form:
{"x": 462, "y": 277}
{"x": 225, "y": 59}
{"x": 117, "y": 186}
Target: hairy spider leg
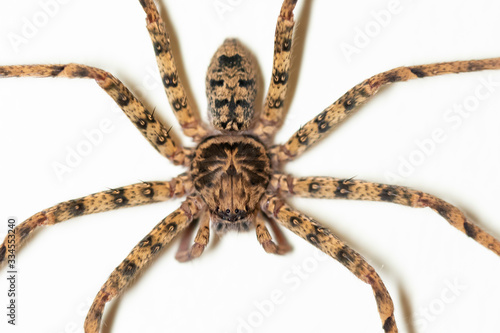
{"x": 147, "y": 249}
{"x": 127, "y": 196}
{"x": 350, "y": 189}
{"x": 176, "y": 94}
{"x": 273, "y": 111}
{"x": 323, "y": 239}
{"x": 152, "y": 129}
{"x": 327, "y": 120}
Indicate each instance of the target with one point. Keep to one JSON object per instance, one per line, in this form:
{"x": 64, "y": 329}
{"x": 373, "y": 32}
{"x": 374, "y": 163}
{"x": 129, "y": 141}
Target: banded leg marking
{"x": 335, "y": 188}
{"x": 152, "y": 129}
{"x": 324, "y": 240}
{"x": 142, "y": 253}
{"x": 176, "y": 94}
{"x": 127, "y": 196}
{"x": 326, "y": 121}
{"x": 273, "y": 110}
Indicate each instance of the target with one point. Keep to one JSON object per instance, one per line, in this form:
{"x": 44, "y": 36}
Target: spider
{"x": 256, "y": 140}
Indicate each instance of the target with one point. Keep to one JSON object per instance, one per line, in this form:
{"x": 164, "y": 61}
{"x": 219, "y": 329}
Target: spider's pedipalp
{"x": 324, "y": 240}
{"x": 350, "y": 189}
{"x": 143, "y": 253}
{"x": 231, "y": 87}
{"x": 150, "y": 127}
{"x": 265, "y": 239}
{"x": 186, "y": 252}
{"x": 176, "y": 94}
{"x": 273, "y": 111}
{"x": 127, "y": 196}
{"x": 326, "y": 121}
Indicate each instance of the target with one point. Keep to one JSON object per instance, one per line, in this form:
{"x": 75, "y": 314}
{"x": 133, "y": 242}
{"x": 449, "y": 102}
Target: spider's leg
{"x": 127, "y": 196}
{"x": 184, "y": 253}
{"x": 142, "y": 253}
{"x": 272, "y": 113}
{"x": 335, "y": 188}
{"x": 152, "y": 129}
{"x": 326, "y": 121}
{"x": 323, "y": 239}
{"x": 176, "y": 94}
{"x": 265, "y": 239}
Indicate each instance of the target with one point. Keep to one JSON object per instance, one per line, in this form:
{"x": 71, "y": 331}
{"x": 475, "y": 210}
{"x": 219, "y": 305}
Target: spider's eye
{"x": 216, "y": 83}
{"x": 236, "y": 211}
{"x": 228, "y": 211}
{"x": 245, "y": 83}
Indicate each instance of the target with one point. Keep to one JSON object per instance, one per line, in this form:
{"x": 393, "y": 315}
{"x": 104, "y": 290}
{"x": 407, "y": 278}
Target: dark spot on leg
{"x": 146, "y": 241}
{"x": 170, "y": 80}
{"x": 280, "y": 77}
{"x": 76, "y": 207}
{"x": 24, "y": 232}
{"x": 393, "y": 77}
{"x": 155, "y": 248}
{"x": 122, "y": 100}
{"x": 313, "y": 239}
{"x": 287, "y": 45}
{"x": 158, "y": 48}
{"x": 342, "y": 190}
{"x": 148, "y": 192}
{"x": 129, "y": 268}
{"x": 349, "y": 104}
{"x": 142, "y": 124}
{"x": 344, "y": 256}
{"x": 314, "y": 187}
{"x": 442, "y": 210}
{"x": 82, "y": 72}
{"x": 171, "y": 227}
{"x": 56, "y": 70}
{"x": 417, "y": 72}
{"x": 389, "y": 324}
{"x": 387, "y": 194}
{"x": 295, "y": 221}
{"x": 160, "y": 140}
{"x": 363, "y": 92}
{"x": 470, "y": 229}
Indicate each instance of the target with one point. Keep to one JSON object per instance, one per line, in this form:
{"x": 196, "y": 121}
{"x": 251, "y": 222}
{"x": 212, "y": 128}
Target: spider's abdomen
{"x": 231, "y": 173}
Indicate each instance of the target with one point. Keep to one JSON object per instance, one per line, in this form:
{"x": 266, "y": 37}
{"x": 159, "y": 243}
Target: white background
{"x": 415, "y": 251}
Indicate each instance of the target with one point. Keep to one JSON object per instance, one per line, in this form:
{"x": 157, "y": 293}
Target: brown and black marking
{"x": 326, "y": 241}
{"x": 231, "y": 173}
{"x": 274, "y": 107}
{"x": 231, "y": 87}
{"x": 231, "y": 168}
{"x": 333, "y": 115}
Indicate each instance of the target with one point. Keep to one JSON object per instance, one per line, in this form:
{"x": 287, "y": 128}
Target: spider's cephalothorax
{"x": 231, "y": 87}
{"x": 231, "y": 174}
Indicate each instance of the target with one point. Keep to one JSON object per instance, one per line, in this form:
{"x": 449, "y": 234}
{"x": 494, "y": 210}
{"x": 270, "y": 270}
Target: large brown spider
{"x": 284, "y": 184}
